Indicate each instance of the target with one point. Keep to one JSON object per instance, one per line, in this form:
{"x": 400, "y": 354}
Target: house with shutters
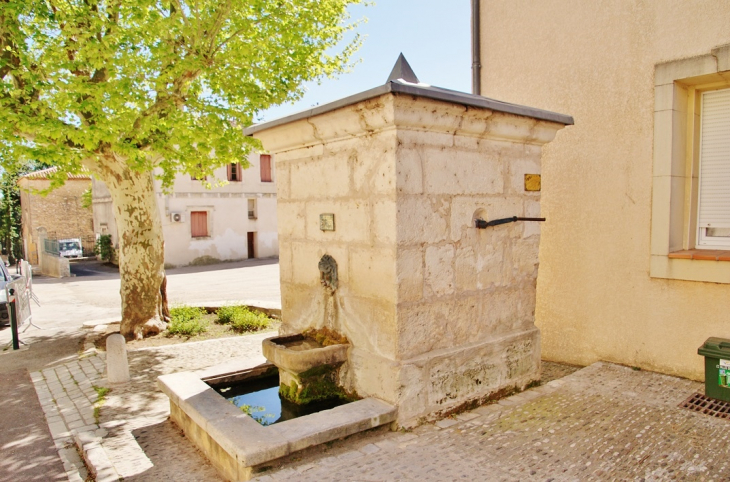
{"x": 230, "y": 222}
{"x": 635, "y": 252}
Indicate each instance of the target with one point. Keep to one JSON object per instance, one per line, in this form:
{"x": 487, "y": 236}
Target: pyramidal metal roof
{"x": 402, "y": 80}
{"x": 402, "y": 71}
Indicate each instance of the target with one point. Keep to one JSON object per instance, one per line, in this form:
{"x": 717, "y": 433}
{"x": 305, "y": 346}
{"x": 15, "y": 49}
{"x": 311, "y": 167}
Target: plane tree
{"x": 133, "y": 89}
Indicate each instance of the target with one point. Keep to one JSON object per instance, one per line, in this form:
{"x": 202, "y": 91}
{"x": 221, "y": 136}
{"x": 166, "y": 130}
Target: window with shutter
{"x": 199, "y": 224}
{"x": 234, "y": 172}
{"x": 690, "y": 232}
{"x": 265, "y": 162}
{"x": 713, "y": 219}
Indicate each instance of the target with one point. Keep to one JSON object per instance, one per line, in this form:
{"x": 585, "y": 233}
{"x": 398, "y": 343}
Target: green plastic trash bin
{"x": 717, "y": 368}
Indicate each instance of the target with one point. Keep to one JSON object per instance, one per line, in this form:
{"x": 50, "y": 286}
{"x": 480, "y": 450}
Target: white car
{"x": 5, "y": 277}
{"x": 70, "y": 248}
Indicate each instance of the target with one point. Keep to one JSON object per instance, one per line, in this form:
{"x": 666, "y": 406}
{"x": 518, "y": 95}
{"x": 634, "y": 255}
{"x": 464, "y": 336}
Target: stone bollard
{"x": 117, "y": 367}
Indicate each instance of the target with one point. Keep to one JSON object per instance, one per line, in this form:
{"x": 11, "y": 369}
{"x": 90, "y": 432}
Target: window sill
{"x": 701, "y": 254}
{"x": 692, "y": 265}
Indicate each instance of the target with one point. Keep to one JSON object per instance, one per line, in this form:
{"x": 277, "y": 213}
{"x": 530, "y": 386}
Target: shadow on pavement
{"x": 157, "y": 441}
{"x": 28, "y": 451}
{"x": 43, "y": 352}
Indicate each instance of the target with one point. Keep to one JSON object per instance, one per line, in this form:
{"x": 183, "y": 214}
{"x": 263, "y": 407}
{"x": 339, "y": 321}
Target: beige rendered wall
{"x": 595, "y": 297}
{"x": 228, "y": 220}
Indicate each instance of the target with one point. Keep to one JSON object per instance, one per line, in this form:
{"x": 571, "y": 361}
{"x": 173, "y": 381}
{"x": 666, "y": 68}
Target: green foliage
{"x": 187, "y": 321}
{"x": 104, "y": 247}
{"x": 156, "y": 84}
{"x": 86, "y": 199}
{"x": 241, "y": 318}
{"x": 101, "y": 393}
{"x": 126, "y": 88}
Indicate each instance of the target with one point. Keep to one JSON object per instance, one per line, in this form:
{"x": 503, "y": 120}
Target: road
{"x": 93, "y": 294}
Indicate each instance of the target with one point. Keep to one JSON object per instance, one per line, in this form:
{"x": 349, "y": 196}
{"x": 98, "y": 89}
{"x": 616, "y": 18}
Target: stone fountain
{"x": 394, "y": 210}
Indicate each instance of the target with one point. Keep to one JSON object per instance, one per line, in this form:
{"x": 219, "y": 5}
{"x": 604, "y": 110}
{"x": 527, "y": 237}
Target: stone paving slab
{"x": 67, "y": 397}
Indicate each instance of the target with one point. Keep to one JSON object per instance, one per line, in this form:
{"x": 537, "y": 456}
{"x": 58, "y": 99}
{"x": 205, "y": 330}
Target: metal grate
{"x": 709, "y": 406}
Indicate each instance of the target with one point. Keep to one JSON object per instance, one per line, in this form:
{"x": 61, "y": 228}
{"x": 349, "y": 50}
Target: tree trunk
{"x": 141, "y": 247}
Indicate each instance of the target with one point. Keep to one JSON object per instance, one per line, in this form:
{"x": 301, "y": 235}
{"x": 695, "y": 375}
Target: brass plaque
{"x": 532, "y": 182}
{"x": 327, "y": 222}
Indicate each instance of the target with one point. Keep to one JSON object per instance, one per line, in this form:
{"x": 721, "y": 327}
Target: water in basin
{"x": 260, "y": 399}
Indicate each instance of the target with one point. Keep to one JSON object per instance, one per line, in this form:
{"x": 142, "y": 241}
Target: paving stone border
{"x": 67, "y": 396}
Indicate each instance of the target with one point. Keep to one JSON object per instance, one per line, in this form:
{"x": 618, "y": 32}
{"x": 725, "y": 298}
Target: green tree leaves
{"x": 162, "y": 84}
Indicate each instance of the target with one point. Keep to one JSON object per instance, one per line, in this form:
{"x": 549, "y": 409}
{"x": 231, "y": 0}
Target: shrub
{"x": 104, "y": 248}
{"x": 226, "y": 313}
{"x": 187, "y": 321}
{"x": 241, "y": 318}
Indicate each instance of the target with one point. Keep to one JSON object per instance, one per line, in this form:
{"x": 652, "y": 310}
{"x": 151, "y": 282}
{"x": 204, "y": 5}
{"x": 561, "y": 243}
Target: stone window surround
{"x": 677, "y": 88}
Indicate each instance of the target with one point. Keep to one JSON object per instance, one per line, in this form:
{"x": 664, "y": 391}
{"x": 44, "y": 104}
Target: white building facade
{"x": 231, "y": 222}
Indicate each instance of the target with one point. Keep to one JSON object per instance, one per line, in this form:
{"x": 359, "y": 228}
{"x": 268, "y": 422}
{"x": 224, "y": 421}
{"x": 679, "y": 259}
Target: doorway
{"x": 251, "y": 244}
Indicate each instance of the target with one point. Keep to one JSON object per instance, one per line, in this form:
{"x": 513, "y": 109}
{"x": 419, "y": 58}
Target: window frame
{"x": 234, "y": 170}
{"x": 678, "y": 86}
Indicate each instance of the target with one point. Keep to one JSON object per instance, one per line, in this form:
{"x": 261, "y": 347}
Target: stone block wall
{"x": 438, "y": 312}
{"x": 352, "y": 177}
{"x": 60, "y": 212}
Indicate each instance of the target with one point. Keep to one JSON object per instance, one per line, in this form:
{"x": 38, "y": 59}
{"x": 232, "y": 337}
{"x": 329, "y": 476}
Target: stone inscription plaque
{"x": 532, "y": 182}
{"x": 327, "y": 222}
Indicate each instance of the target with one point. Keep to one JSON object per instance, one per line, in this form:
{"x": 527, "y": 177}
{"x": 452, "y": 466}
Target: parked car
{"x": 5, "y": 277}
{"x": 70, "y": 248}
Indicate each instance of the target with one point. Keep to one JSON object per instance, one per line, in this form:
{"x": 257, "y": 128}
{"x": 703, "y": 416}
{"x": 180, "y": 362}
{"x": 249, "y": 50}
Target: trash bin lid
{"x": 715, "y": 348}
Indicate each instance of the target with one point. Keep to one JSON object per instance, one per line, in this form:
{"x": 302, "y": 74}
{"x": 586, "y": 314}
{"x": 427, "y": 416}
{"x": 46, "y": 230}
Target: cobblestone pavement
{"x": 603, "y": 422}
{"x": 162, "y": 452}
{"x": 132, "y": 421}
{"x": 67, "y": 396}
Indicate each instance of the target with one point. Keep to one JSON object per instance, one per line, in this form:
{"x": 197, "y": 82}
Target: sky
{"x": 433, "y": 35}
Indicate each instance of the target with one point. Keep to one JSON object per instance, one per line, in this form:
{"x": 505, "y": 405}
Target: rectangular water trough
{"x": 234, "y": 442}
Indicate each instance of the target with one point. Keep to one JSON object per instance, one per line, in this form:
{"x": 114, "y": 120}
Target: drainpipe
{"x": 476, "y": 66}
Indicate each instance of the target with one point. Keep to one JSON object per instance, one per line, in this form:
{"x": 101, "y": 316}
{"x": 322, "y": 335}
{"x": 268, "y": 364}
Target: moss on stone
{"x": 325, "y": 336}
{"x": 320, "y": 384}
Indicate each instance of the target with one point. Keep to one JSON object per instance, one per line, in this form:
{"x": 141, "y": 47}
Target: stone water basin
{"x": 298, "y": 354}
{"x": 237, "y": 445}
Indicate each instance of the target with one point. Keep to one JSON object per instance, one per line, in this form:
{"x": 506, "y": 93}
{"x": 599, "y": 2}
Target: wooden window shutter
{"x": 234, "y": 172}
{"x": 714, "y": 182}
{"x": 265, "y": 161}
{"x": 199, "y": 224}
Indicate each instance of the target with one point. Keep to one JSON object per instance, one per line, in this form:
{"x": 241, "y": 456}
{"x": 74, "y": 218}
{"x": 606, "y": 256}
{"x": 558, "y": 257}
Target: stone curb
{"x": 96, "y": 458}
